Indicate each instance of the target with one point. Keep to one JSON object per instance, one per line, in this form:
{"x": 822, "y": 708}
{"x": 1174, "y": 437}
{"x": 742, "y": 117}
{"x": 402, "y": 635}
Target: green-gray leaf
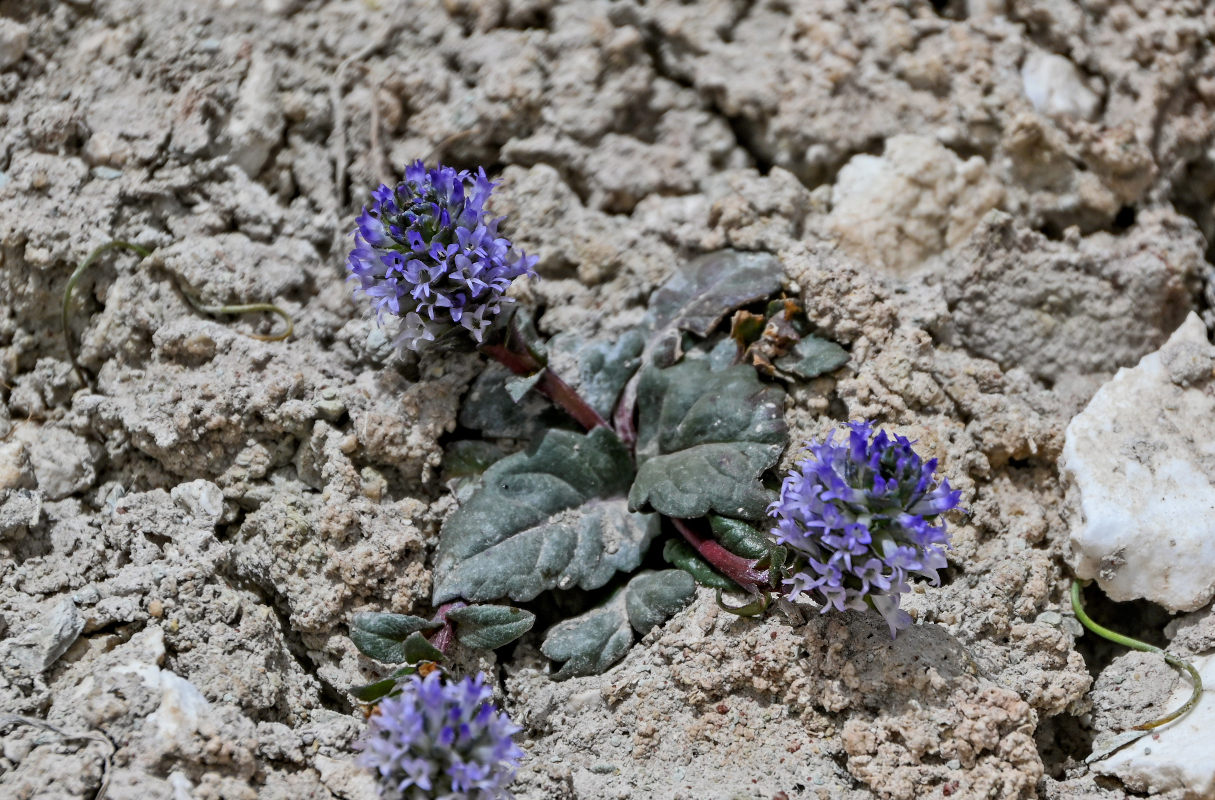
{"x": 370, "y": 692}
{"x": 591, "y": 642}
{"x": 813, "y": 356}
{"x": 594, "y": 641}
{"x": 739, "y": 538}
{"x": 680, "y": 554}
{"x": 704, "y": 438}
{"x": 604, "y": 367}
{"x": 418, "y": 648}
{"x": 553, "y": 517}
{"x": 698, "y": 297}
{"x": 490, "y": 627}
{"x": 383, "y": 636}
{"x": 489, "y": 408}
{"x": 652, "y": 597}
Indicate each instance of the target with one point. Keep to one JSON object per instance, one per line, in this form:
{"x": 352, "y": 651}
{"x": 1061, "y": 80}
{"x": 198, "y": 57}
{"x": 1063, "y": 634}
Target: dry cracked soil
{"x": 992, "y": 204}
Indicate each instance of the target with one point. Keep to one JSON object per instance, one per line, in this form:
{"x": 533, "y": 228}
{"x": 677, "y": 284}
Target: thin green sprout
{"x": 1135, "y": 644}
{"x": 143, "y": 252}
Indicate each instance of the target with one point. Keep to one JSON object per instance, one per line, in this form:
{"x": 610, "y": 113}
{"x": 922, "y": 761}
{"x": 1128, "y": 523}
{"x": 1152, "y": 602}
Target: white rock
{"x": 1056, "y": 88}
{"x": 63, "y": 462}
{"x": 182, "y": 706}
{"x": 1141, "y": 457}
{"x": 201, "y": 498}
{"x": 14, "y": 38}
{"x": 1176, "y": 757}
{"x": 911, "y": 203}
{"x": 257, "y": 121}
{"x": 48, "y": 637}
{"x": 16, "y": 472}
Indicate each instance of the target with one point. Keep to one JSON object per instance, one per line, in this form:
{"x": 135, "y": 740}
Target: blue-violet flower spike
{"x": 863, "y": 517}
{"x": 440, "y": 739}
{"x": 428, "y": 254}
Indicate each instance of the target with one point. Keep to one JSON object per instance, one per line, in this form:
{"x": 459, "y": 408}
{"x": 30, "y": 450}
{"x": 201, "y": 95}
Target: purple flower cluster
{"x": 428, "y": 253}
{"x": 441, "y": 740}
{"x": 862, "y": 516}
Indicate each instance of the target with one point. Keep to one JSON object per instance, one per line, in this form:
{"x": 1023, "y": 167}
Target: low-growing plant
{"x": 670, "y": 431}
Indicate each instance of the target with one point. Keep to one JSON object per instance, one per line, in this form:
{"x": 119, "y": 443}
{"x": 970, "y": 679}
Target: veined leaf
{"x": 490, "y": 627}
{"x": 384, "y": 636}
{"x": 813, "y": 356}
{"x": 553, "y": 517}
{"x": 591, "y": 643}
{"x": 698, "y": 297}
{"x": 704, "y": 438}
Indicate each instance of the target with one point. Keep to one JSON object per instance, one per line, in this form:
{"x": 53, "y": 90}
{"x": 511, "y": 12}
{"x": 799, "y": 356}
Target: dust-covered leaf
{"x": 383, "y": 636}
{"x": 490, "y": 627}
{"x": 653, "y": 597}
{"x": 592, "y": 642}
{"x": 813, "y": 356}
{"x": 600, "y": 368}
{"x": 704, "y": 439}
{"x": 517, "y": 386}
{"x": 697, "y": 297}
{"x": 489, "y": 408}
{"x": 555, "y": 516}
{"x": 680, "y": 554}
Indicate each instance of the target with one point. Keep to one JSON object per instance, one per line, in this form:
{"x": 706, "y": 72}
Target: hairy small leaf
{"x": 383, "y": 636}
{"x": 813, "y": 356}
{"x": 698, "y": 297}
{"x": 704, "y": 438}
{"x": 418, "y": 648}
{"x": 552, "y": 517}
{"x": 680, "y": 554}
{"x": 591, "y": 643}
{"x": 371, "y": 692}
{"x": 652, "y": 597}
{"x": 490, "y": 627}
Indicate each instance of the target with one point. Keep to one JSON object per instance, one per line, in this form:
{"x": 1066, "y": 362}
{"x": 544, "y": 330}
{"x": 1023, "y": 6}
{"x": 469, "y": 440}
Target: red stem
{"x": 738, "y": 569}
{"x": 626, "y": 411}
{"x": 442, "y": 638}
{"x": 550, "y": 385}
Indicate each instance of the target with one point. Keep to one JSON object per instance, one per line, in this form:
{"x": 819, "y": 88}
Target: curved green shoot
{"x": 143, "y": 252}
{"x": 1135, "y": 644}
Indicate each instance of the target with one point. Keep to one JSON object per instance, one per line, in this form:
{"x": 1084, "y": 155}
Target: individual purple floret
{"x": 439, "y": 739}
{"x": 863, "y": 517}
{"x": 428, "y": 253}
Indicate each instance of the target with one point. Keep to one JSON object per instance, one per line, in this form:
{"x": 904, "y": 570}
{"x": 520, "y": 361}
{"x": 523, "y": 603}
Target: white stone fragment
{"x": 1176, "y": 757}
{"x": 1141, "y": 458}
{"x": 14, "y": 38}
{"x": 915, "y": 200}
{"x": 1056, "y": 88}
{"x": 257, "y": 121}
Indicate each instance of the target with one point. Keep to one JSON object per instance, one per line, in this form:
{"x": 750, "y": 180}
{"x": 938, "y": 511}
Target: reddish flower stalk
{"x": 522, "y": 362}
{"x": 738, "y": 569}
